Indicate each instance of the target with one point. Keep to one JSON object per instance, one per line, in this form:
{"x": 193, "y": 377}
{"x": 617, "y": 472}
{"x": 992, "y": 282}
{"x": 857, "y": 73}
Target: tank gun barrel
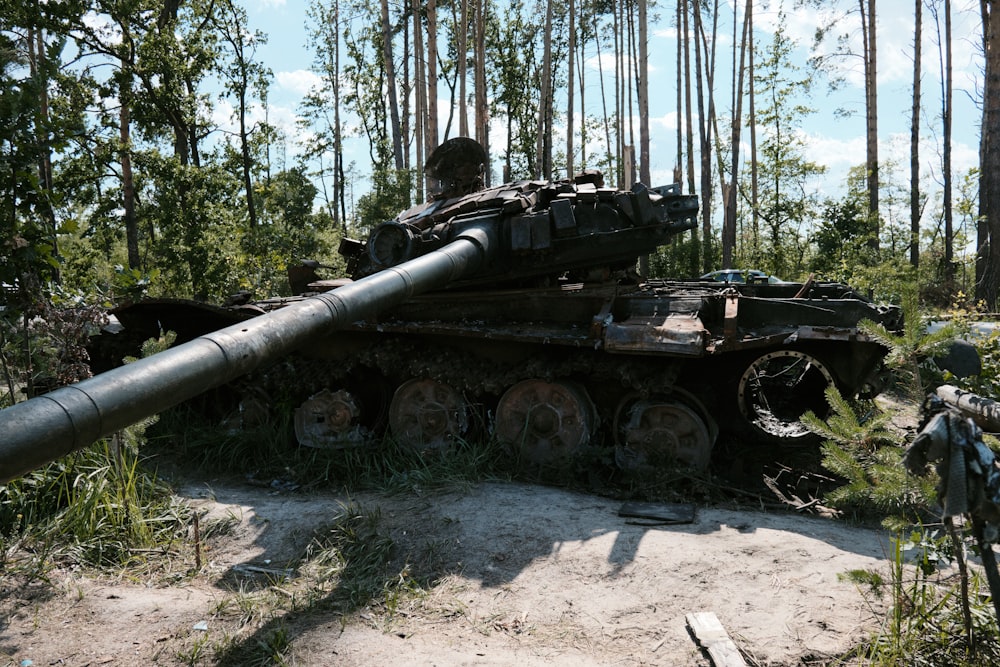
{"x": 47, "y": 427}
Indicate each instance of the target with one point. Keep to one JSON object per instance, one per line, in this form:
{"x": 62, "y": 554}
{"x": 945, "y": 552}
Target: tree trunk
{"x": 729, "y": 221}
{"x": 642, "y": 93}
{"x": 463, "y": 50}
{"x": 949, "y": 232}
{"x": 36, "y": 57}
{"x": 431, "y": 137}
{"x": 339, "y": 194}
{"x": 915, "y": 139}
{"x": 679, "y": 160}
{"x": 694, "y": 260}
{"x": 247, "y": 163}
{"x": 705, "y": 144}
{"x": 580, "y": 74}
{"x": 570, "y": 89}
{"x": 232, "y": 26}
{"x": 752, "y": 113}
{"x": 420, "y": 112}
{"x": 988, "y": 288}
{"x": 688, "y": 115}
{"x": 482, "y": 108}
{"x": 390, "y": 78}
{"x": 604, "y": 101}
{"x": 543, "y": 157}
{"x": 406, "y": 88}
{"x": 869, "y": 41}
{"x": 619, "y": 33}
{"x": 630, "y": 77}
{"x": 128, "y": 185}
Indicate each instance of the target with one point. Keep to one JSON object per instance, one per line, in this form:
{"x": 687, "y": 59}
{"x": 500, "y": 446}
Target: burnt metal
{"x": 516, "y": 309}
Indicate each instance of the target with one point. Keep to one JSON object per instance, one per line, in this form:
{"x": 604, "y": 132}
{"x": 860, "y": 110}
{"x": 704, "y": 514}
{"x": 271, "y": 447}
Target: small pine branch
{"x": 867, "y": 456}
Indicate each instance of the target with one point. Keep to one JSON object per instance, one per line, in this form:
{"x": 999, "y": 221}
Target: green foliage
{"x": 987, "y": 383}
{"x": 105, "y": 507}
{"x": 929, "y": 622}
{"x": 289, "y": 231}
{"x": 785, "y": 202}
{"x": 844, "y": 236}
{"x": 96, "y": 507}
{"x": 194, "y": 210}
{"x": 27, "y": 233}
{"x": 43, "y": 338}
{"x": 909, "y": 351}
{"x": 133, "y": 284}
{"x": 925, "y": 624}
{"x": 680, "y": 259}
{"x": 863, "y": 451}
{"x": 867, "y": 455}
{"x": 390, "y": 194}
{"x": 512, "y": 46}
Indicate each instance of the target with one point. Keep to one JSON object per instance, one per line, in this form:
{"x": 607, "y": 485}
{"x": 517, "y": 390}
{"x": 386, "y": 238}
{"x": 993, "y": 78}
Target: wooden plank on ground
{"x": 711, "y": 636}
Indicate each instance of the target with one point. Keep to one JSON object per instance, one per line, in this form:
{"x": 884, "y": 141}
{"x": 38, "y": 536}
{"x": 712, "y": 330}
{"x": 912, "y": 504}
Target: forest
{"x": 138, "y": 156}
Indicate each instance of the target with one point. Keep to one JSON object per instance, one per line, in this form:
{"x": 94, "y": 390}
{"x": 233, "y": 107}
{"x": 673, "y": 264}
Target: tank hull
{"x": 611, "y": 364}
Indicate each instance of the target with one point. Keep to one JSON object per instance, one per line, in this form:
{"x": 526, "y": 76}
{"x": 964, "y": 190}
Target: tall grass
{"x": 98, "y": 506}
{"x": 269, "y": 451}
{"x": 925, "y": 623}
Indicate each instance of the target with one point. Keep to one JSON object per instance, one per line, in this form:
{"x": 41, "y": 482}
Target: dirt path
{"x": 529, "y": 575}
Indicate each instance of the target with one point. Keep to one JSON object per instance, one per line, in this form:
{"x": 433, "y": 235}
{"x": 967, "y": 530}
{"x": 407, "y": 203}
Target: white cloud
{"x": 283, "y": 118}
{"x": 270, "y": 4}
{"x": 667, "y": 121}
{"x": 895, "y": 29}
{"x": 103, "y": 27}
{"x": 608, "y": 62}
{"x": 837, "y": 155}
{"x": 300, "y": 81}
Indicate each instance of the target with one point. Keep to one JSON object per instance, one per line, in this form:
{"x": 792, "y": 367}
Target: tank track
{"x": 588, "y": 397}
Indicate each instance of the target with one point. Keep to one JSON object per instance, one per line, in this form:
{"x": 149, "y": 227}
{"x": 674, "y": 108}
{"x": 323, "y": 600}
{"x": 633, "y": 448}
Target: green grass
{"x": 269, "y": 452}
{"x": 925, "y": 623}
{"x": 98, "y": 507}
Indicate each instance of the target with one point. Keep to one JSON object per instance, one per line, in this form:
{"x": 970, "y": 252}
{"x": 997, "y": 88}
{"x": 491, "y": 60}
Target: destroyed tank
{"x": 512, "y": 312}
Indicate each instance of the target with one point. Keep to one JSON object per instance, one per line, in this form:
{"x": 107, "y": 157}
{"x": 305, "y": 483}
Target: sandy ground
{"x": 526, "y": 575}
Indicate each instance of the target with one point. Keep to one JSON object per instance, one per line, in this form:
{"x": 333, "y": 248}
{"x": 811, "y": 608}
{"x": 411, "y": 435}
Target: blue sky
{"x": 831, "y": 140}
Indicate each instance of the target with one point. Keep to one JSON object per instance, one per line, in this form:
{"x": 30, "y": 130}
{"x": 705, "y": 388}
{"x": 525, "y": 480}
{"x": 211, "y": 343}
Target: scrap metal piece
{"x": 658, "y": 513}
